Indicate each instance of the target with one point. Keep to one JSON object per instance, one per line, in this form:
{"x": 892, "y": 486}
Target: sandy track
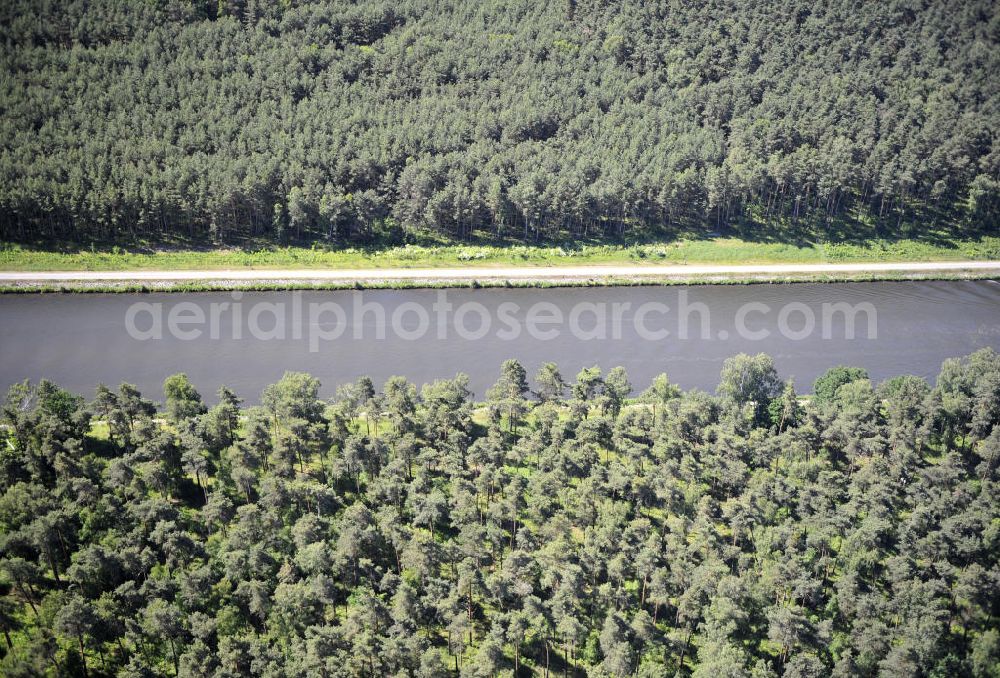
{"x": 500, "y": 273}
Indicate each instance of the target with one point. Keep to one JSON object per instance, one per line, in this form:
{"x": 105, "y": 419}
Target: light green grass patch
{"x": 714, "y": 251}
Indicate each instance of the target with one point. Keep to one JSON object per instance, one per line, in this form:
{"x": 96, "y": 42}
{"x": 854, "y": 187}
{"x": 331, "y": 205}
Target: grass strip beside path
{"x": 717, "y": 251}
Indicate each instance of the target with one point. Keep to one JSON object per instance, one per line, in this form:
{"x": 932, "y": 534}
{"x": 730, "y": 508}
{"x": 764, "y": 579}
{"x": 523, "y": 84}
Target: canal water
{"x": 248, "y": 340}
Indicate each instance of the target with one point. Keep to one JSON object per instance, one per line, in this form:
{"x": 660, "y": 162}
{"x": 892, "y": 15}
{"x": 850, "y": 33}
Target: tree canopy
{"x": 347, "y": 121}
{"x": 417, "y": 532}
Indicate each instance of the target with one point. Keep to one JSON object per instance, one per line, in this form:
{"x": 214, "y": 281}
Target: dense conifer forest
{"x": 131, "y": 121}
{"x": 551, "y": 529}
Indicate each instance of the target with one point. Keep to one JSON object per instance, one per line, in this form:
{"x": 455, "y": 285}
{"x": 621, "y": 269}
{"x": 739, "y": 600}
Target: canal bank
{"x": 487, "y": 276}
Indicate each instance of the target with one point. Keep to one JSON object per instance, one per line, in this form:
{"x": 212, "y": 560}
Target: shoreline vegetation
{"x": 560, "y": 526}
{"x": 717, "y": 252}
{"x": 14, "y": 257}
